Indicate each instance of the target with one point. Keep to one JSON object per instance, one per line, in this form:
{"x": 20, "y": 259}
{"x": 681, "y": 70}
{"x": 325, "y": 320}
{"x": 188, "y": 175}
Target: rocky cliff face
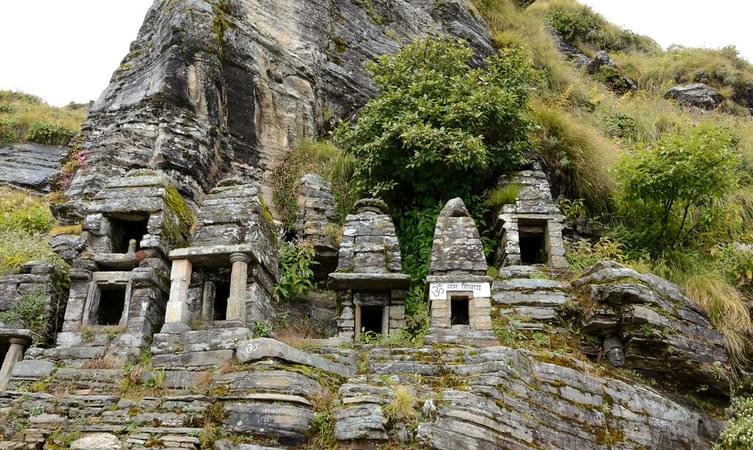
{"x": 218, "y": 87}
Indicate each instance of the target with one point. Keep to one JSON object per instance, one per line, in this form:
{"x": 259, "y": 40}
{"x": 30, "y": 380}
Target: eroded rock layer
{"x": 217, "y": 86}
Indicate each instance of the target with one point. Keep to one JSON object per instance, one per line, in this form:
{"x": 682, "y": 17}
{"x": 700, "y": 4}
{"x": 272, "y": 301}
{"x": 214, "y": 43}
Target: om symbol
{"x": 437, "y": 290}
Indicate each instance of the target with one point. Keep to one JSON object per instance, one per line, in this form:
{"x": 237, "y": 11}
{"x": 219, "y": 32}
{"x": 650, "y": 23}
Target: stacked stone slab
{"x": 37, "y": 281}
{"x": 369, "y": 271}
{"x": 233, "y": 245}
{"x": 647, "y": 324}
{"x": 129, "y": 228}
{"x": 528, "y": 298}
{"x": 317, "y": 222}
{"x": 533, "y": 210}
{"x": 458, "y": 274}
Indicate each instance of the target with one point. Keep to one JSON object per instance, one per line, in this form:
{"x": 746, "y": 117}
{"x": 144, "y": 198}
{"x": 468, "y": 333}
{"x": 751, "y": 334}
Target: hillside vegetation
{"x": 25, "y": 219}
{"x": 26, "y": 118}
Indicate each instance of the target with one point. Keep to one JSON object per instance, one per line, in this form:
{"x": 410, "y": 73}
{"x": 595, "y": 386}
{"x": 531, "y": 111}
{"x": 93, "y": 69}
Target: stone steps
{"x": 528, "y": 296}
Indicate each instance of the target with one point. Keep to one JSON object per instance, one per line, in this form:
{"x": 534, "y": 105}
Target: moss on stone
{"x": 178, "y": 218}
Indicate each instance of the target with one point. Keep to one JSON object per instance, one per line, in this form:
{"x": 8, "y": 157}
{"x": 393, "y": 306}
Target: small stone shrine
{"x": 369, "y": 281}
{"x": 223, "y": 283}
{"x": 459, "y": 289}
{"x": 530, "y": 230}
{"x": 119, "y": 282}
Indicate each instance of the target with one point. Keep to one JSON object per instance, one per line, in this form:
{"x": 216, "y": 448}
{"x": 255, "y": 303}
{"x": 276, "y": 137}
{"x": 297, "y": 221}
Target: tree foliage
{"x": 674, "y": 191}
{"x": 296, "y": 273}
{"x": 439, "y": 127}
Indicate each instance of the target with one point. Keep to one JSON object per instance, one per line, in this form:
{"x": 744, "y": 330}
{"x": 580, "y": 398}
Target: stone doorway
{"x": 532, "y": 235}
{"x": 221, "y": 294}
{"x": 125, "y": 230}
{"x": 460, "y": 310}
{"x": 112, "y": 300}
{"x": 372, "y": 319}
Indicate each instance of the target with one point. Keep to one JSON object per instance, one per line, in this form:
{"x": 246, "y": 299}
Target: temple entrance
{"x": 111, "y": 304}
{"x": 460, "y": 310}
{"x": 371, "y": 319}
{"x": 222, "y": 293}
{"x": 125, "y": 230}
{"x": 532, "y": 242}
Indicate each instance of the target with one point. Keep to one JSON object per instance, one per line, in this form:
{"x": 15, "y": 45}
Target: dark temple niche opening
{"x": 111, "y": 304}
{"x": 123, "y": 230}
{"x": 222, "y": 293}
{"x": 460, "y": 310}
{"x": 532, "y": 241}
{"x": 371, "y": 319}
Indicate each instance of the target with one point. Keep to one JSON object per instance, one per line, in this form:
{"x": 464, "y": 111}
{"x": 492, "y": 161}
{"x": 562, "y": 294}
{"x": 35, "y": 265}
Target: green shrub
{"x": 438, "y": 127}
{"x": 26, "y": 118}
{"x": 296, "y": 275}
{"x": 49, "y": 134}
{"x": 262, "y": 329}
{"x": 579, "y": 24}
{"x": 613, "y": 79}
{"x": 577, "y": 157}
{"x": 402, "y": 407}
{"x": 622, "y": 126}
{"x": 11, "y": 131}
{"x": 671, "y": 193}
{"x": 501, "y": 196}
{"x": 583, "y": 254}
{"x": 322, "y": 158}
{"x": 738, "y": 434}
{"x": 21, "y": 212}
{"x": 31, "y": 311}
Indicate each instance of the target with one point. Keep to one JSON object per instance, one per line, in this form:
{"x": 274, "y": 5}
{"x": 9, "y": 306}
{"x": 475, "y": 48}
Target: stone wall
{"x": 41, "y": 281}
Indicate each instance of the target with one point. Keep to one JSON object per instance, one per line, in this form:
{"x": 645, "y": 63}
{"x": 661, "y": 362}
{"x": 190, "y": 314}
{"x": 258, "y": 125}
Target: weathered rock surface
{"x": 472, "y": 398}
{"x": 256, "y": 349}
{"x": 695, "y": 94}
{"x": 664, "y": 335}
{"x": 316, "y": 222}
{"x": 211, "y": 88}
{"x": 31, "y": 166}
{"x": 43, "y": 281}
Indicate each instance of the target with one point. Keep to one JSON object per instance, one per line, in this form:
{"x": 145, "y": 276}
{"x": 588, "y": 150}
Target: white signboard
{"x": 439, "y": 291}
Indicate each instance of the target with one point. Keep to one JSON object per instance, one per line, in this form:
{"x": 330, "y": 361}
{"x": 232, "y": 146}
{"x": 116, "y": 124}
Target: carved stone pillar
{"x": 14, "y": 355}
{"x": 177, "y": 315}
{"x": 236, "y": 302}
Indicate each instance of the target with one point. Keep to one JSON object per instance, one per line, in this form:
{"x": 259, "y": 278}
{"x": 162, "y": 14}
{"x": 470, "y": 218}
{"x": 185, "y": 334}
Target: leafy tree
{"x": 439, "y": 127}
{"x": 674, "y": 191}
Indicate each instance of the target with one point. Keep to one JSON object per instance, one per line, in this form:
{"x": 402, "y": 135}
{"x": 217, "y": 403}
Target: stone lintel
{"x": 214, "y": 256}
{"x": 369, "y": 281}
{"x": 15, "y": 336}
{"x": 459, "y": 278}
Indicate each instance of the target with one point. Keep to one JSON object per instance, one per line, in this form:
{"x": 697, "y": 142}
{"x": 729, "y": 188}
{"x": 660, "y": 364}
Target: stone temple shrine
{"x": 459, "y": 289}
{"x": 369, "y": 281}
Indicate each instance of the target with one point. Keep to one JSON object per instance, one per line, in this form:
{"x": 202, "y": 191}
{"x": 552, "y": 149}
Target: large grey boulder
{"x": 695, "y": 94}
{"x": 31, "y": 166}
{"x": 664, "y": 335}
